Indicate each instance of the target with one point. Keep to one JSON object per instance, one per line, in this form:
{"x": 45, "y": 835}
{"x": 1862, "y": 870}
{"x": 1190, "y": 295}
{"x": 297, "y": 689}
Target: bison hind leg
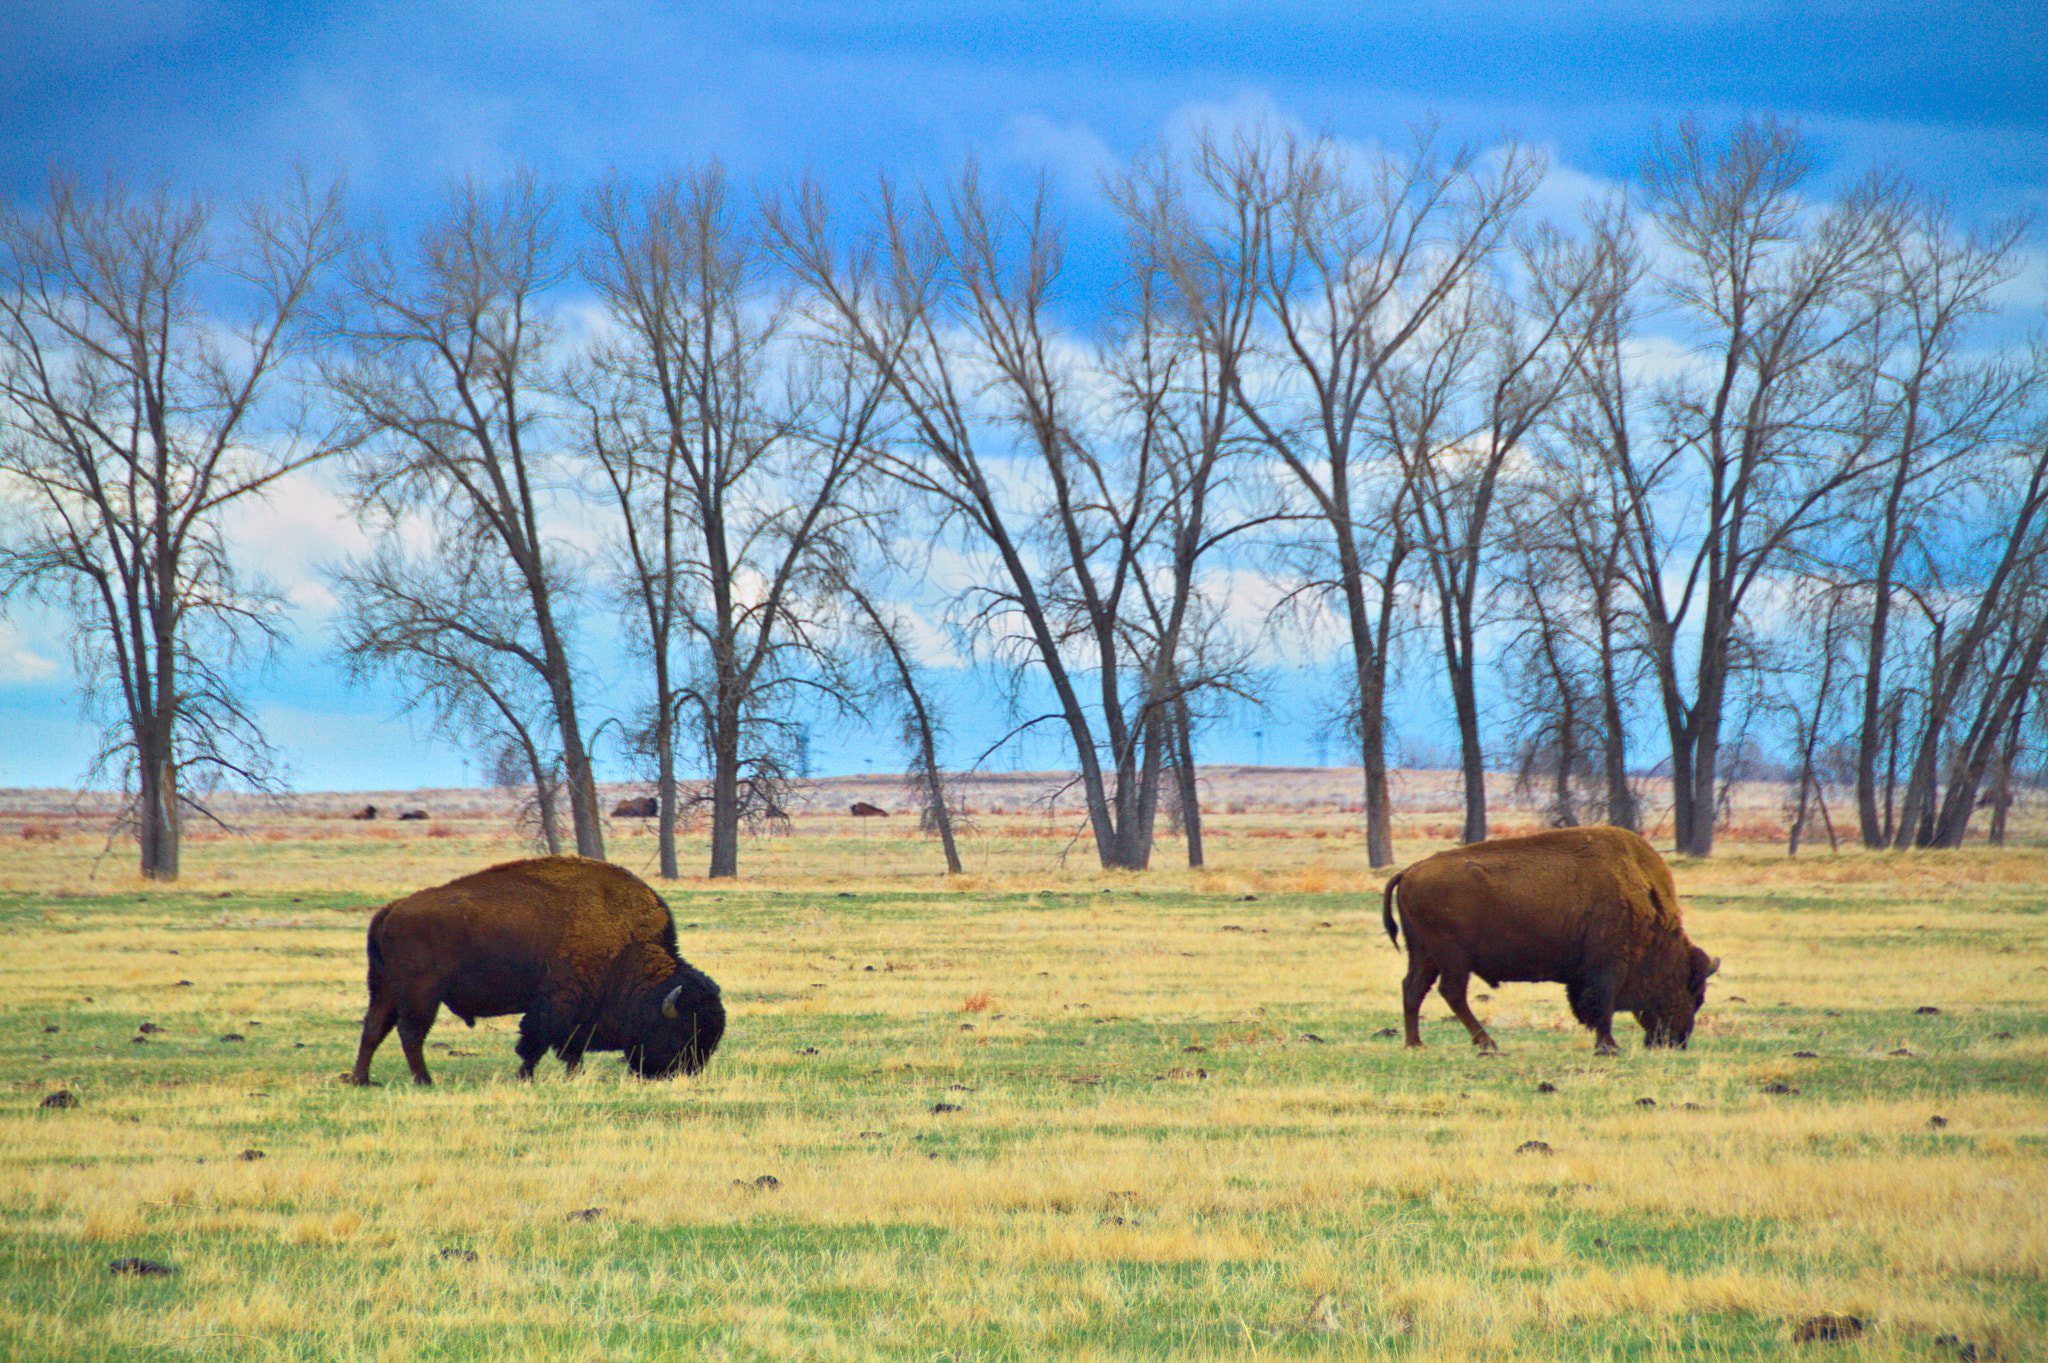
{"x": 413, "y": 1026}
{"x": 377, "y": 1024}
{"x": 1453, "y": 990}
{"x": 1415, "y": 988}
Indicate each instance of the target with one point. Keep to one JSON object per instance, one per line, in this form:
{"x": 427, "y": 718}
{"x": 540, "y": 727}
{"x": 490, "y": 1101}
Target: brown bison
{"x": 863, "y": 810}
{"x": 583, "y": 948}
{"x": 1591, "y": 908}
{"x": 640, "y": 807}
{"x": 366, "y": 812}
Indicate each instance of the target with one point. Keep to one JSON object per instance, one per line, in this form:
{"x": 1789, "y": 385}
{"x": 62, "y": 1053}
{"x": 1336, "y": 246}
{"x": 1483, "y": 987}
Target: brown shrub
{"x": 977, "y": 1002}
{"x": 41, "y": 832}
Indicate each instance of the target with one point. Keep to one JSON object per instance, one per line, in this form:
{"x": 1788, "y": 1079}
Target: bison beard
{"x": 583, "y": 948}
{"x": 1594, "y": 909}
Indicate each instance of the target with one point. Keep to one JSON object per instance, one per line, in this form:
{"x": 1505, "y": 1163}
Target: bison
{"x": 641, "y": 807}
{"x": 366, "y": 812}
{"x": 863, "y": 810}
{"x": 583, "y": 948}
{"x": 1594, "y": 909}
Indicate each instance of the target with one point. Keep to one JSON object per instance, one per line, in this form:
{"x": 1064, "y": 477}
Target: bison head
{"x": 682, "y": 1020}
{"x": 1668, "y": 1021}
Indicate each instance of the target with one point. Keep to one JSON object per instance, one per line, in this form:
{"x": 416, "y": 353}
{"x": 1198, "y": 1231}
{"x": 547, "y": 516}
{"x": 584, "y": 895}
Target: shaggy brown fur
{"x": 583, "y": 948}
{"x": 1592, "y": 908}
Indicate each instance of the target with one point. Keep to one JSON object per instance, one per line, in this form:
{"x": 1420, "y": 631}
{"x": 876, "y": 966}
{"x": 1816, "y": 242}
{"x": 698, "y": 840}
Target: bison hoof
{"x": 1607, "y": 1048}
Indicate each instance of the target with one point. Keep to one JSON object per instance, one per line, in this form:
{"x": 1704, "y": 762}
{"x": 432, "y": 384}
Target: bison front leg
{"x": 572, "y": 1050}
{"x": 533, "y": 1043}
{"x": 1453, "y": 990}
{"x": 1592, "y": 1001}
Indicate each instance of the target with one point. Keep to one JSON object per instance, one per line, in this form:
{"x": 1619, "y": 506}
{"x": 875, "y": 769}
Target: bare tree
{"x": 884, "y": 631}
{"x": 449, "y": 358}
{"x": 1985, "y": 651}
{"x": 1933, "y": 407}
{"x": 949, "y": 304}
{"x": 734, "y": 453}
{"x": 147, "y": 354}
{"x": 1192, "y": 310}
{"x": 438, "y": 627}
{"x": 1811, "y": 700}
{"x": 1757, "y": 443}
{"x": 1455, "y": 408}
{"x": 1353, "y": 260}
{"x": 1585, "y": 514}
{"x": 1551, "y": 677}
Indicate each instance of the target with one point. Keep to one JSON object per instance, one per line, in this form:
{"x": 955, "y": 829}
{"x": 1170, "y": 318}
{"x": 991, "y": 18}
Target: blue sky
{"x": 399, "y": 97}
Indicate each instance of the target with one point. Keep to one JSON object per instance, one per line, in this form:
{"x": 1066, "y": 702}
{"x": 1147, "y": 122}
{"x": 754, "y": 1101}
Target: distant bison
{"x": 584, "y": 949}
{"x": 863, "y": 810}
{"x": 645, "y": 807}
{"x": 1592, "y": 908}
{"x": 411, "y": 814}
{"x": 366, "y": 812}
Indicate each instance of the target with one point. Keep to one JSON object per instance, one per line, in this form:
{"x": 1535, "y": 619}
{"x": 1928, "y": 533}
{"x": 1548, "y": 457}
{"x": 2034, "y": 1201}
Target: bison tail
{"x": 375, "y": 950}
{"x": 1387, "y": 909}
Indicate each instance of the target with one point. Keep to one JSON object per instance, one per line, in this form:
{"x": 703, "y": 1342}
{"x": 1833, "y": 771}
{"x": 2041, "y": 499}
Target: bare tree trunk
{"x": 725, "y": 791}
{"x": 1621, "y": 796}
{"x": 1184, "y": 773}
{"x": 2001, "y": 794}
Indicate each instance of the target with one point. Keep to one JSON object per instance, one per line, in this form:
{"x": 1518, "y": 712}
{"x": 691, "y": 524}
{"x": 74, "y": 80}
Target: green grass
{"x": 1149, "y": 1158}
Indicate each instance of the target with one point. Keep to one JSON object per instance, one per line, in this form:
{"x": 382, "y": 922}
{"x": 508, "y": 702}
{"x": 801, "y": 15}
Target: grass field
{"x": 1032, "y": 1112}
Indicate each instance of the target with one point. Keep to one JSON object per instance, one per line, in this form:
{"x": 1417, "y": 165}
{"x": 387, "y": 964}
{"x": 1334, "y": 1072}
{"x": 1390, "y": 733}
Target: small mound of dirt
{"x": 1823, "y": 1329}
{"x": 140, "y": 1268}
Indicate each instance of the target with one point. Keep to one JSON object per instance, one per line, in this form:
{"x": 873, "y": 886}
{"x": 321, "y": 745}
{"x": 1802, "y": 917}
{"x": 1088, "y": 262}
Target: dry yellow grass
{"x": 1148, "y": 1157}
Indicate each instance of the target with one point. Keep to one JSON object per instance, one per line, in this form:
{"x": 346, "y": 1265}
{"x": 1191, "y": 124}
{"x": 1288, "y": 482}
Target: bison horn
{"x": 1713, "y": 965}
{"x": 668, "y": 1005}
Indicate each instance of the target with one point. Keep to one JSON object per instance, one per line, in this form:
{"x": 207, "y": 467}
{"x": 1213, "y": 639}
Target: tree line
{"x": 1717, "y": 459}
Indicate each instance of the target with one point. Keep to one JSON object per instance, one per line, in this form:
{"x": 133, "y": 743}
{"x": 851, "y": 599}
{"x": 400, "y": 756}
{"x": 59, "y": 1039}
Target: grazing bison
{"x": 863, "y": 810}
{"x": 1592, "y": 908}
{"x": 366, "y": 812}
{"x": 643, "y": 807}
{"x": 411, "y": 814}
{"x": 584, "y": 949}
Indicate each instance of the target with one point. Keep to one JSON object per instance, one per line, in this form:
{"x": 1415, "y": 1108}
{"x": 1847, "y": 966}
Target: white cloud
{"x": 22, "y": 662}
{"x": 290, "y": 535}
{"x": 1074, "y": 153}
